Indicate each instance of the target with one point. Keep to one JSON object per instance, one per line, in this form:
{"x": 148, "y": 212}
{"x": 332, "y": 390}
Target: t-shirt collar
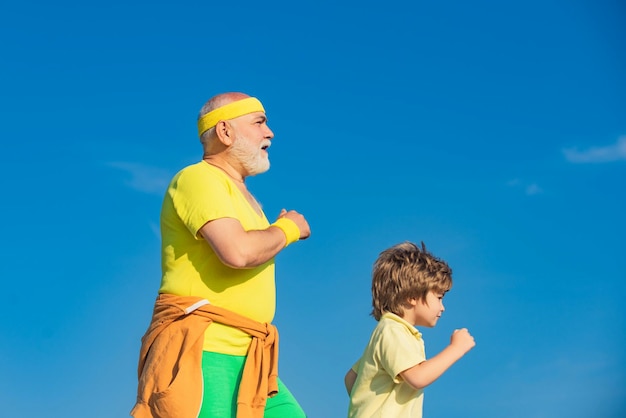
{"x": 394, "y": 317}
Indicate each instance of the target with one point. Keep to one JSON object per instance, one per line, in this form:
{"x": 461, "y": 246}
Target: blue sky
{"x": 495, "y": 132}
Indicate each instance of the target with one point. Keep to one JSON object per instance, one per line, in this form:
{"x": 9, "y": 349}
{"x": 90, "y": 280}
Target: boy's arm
{"x": 349, "y": 380}
{"x": 425, "y": 373}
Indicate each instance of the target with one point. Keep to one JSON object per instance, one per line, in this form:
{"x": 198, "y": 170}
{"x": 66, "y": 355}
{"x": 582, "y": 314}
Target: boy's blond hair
{"x": 405, "y": 272}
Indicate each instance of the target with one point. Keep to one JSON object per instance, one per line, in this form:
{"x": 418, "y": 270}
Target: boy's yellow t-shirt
{"x": 379, "y": 391}
{"x": 196, "y": 195}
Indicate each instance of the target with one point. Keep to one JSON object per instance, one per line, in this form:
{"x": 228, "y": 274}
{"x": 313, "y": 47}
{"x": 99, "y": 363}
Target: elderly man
{"x": 211, "y": 350}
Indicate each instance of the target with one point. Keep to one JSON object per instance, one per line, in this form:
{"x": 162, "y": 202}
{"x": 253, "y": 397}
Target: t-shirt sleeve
{"x": 200, "y": 196}
{"x": 400, "y": 350}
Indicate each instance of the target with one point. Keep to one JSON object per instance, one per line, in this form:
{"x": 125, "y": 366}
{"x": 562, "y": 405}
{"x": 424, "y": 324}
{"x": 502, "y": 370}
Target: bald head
{"x": 221, "y": 100}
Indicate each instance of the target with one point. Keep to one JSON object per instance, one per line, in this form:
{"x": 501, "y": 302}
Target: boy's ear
{"x": 412, "y": 301}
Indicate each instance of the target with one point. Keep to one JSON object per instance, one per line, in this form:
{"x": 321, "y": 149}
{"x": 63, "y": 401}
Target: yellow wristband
{"x": 289, "y": 228}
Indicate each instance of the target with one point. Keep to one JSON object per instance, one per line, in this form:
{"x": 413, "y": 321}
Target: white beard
{"x": 250, "y": 156}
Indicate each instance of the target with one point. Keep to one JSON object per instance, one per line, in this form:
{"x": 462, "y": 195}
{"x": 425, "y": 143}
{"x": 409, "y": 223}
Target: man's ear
{"x": 224, "y": 132}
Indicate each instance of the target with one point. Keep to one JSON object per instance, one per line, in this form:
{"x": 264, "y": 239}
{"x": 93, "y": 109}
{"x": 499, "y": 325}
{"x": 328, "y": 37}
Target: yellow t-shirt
{"x": 379, "y": 391}
{"x": 196, "y": 195}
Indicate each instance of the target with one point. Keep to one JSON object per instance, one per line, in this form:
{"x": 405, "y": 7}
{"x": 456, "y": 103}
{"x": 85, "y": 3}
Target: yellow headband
{"x": 229, "y": 111}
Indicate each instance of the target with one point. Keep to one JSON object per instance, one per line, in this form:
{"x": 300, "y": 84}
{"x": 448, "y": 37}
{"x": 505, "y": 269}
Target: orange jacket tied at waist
{"x": 170, "y": 360}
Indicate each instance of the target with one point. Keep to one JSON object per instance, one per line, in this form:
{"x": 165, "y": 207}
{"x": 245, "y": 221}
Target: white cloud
{"x": 530, "y": 189}
{"x": 609, "y": 153}
{"x": 533, "y": 189}
{"x": 156, "y": 230}
{"x": 144, "y": 178}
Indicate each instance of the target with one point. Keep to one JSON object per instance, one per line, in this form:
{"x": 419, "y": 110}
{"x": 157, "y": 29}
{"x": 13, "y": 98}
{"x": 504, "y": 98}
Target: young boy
{"x": 408, "y": 285}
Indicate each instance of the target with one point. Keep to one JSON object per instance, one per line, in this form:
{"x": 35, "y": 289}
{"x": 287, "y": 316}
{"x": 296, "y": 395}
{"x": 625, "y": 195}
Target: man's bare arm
{"x": 239, "y": 248}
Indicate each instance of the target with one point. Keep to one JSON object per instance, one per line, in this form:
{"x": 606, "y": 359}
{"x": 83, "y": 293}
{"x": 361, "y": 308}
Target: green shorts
{"x": 222, "y": 374}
